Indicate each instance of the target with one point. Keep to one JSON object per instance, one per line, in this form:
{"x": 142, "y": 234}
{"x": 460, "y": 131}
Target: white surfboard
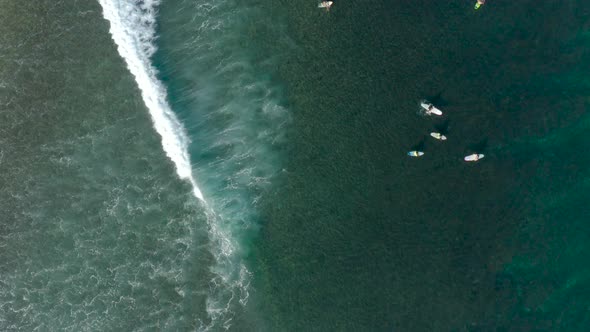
{"x": 430, "y": 109}
{"x": 325, "y": 4}
{"x": 439, "y": 136}
{"x": 474, "y": 157}
{"x": 415, "y": 153}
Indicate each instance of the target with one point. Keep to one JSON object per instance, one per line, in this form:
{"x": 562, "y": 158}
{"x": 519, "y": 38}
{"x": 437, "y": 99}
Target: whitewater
{"x": 133, "y": 30}
{"x": 233, "y": 180}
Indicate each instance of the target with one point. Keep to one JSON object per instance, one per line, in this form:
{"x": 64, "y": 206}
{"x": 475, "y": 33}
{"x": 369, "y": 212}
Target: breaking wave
{"x": 233, "y": 116}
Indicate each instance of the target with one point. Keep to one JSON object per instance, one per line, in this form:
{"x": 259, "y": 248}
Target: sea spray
{"x": 234, "y": 109}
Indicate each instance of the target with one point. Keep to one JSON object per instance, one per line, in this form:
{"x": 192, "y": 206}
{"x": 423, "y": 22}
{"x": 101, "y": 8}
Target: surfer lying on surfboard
{"x": 429, "y": 108}
{"x": 415, "y": 153}
{"x": 474, "y": 157}
{"x": 325, "y": 4}
{"x": 479, "y": 3}
{"x": 439, "y": 136}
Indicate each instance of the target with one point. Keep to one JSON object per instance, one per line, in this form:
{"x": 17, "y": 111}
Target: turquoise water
{"x": 196, "y": 165}
{"x": 235, "y": 114}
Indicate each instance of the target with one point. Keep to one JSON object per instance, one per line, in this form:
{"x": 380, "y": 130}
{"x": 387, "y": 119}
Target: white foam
{"x": 233, "y": 178}
{"x": 133, "y": 30}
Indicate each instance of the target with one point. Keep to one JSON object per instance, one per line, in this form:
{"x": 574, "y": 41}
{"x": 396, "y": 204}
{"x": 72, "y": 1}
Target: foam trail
{"x": 133, "y": 30}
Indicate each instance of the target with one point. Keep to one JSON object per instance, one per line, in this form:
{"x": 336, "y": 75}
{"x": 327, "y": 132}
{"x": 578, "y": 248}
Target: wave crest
{"x": 133, "y": 26}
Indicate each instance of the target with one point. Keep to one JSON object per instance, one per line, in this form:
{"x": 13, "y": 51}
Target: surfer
{"x": 415, "y": 153}
{"x": 439, "y": 136}
{"x": 325, "y": 4}
{"x": 474, "y": 157}
{"x": 429, "y": 108}
{"x": 479, "y": 3}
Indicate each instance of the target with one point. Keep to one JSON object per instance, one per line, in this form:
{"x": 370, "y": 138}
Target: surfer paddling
{"x": 439, "y": 136}
{"x": 429, "y": 108}
{"x": 326, "y": 4}
{"x": 474, "y": 157}
{"x": 415, "y": 153}
{"x": 479, "y": 3}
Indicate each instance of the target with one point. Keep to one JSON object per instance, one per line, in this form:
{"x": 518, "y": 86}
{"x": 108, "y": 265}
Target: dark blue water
{"x": 365, "y": 238}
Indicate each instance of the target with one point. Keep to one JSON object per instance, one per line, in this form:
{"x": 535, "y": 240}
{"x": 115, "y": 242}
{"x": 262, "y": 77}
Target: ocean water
{"x": 365, "y": 238}
{"x": 98, "y": 232}
{"x": 129, "y": 194}
{"x": 234, "y": 112}
{"x": 240, "y": 165}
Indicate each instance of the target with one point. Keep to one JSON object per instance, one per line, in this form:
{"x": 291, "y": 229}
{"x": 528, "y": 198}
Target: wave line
{"x": 133, "y": 30}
